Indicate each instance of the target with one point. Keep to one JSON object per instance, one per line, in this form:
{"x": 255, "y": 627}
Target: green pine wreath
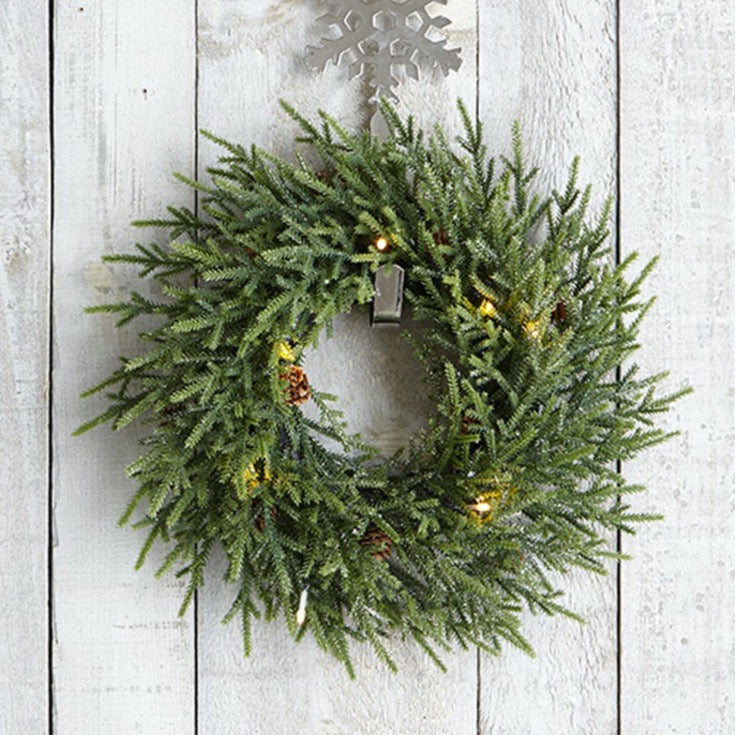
{"x": 527, "y": 322}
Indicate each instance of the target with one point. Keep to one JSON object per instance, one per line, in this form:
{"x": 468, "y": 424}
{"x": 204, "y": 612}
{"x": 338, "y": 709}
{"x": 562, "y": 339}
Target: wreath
{"x": 526, "y": 318}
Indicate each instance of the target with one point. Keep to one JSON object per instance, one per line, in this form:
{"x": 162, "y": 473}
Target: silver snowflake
{"x": 378, "y": 36}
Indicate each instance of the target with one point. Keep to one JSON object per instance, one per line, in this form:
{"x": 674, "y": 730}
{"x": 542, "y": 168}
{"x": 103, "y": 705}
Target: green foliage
{"x": 529, "y": 320}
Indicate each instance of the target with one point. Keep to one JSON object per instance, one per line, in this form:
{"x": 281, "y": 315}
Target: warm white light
{"x": 301, "y": 612}
{"x": 481, "y": 507}
{"x": 381, "y": 244}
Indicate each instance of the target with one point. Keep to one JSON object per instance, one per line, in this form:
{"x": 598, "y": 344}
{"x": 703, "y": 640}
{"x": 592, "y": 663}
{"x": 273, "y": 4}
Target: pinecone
{"x": 260, "y": 520}
{"x": 170, "y": 414}
{"x": 465, "y": 424}
{"x": 329, "y": 176}
{"x": 559, "y": 315}
{"x": 377, "y": 542}
{"x": 298, "y": 386}
{"x": 441, "y": 237}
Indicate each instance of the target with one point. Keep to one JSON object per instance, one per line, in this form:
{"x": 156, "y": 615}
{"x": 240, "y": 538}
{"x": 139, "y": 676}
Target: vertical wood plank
{"x": 124, "y": 119}
{"x": 250, "y": 55}
{"x": 678, "y": 201}
{"x": 24, "y": 295}
{"x": 552, "y": 66}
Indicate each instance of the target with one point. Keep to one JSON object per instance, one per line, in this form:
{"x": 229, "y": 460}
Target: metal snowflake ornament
{"x": 377, "y": 37}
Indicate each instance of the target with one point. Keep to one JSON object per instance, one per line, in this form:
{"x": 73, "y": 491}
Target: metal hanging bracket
{"x": 377, "y": 37}
{"x": 388, "y": 300}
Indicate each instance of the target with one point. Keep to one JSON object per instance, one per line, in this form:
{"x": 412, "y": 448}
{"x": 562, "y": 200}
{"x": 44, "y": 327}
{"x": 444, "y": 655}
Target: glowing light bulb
{"x": 381, "y": 244}
{"x": 285, "y": 352}
{"x": 532, "y": 329}
{"x": 482, "y": 507}
{"x": 301, "y": 612}
{"x": 487, "y": 309}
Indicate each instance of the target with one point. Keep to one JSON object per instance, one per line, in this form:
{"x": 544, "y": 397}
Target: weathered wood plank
{"x": 24, "y": 323}
{"x": 250, "y": 55}
{"x": 678, "y": 201}
{"x": 124, "y": 119}
{"x": 552, "y": 67}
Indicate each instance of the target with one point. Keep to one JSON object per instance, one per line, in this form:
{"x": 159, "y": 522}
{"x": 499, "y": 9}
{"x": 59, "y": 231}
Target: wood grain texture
{"x": 250, "y": 55}
{"x": 125, "y": 114}
{"x": 24, "y": 296}
{"x": 678, "y": 201}
{"x": 552, "y": 67}
{"x": 124, "y": 119}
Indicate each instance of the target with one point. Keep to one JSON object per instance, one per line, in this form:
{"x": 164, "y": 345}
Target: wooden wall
{"x": 99, "y": 102}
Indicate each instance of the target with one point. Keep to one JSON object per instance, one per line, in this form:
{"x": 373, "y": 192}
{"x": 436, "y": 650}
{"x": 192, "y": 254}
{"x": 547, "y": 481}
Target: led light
{"x": 481, "y": 507}
{"x": 301, "y": 612}
{"x": 255, "y": 474}
{"x": 532, "y": 329}
{"x": 487, "y": 309}
{"x": 285, "y": 352}
{"x": 381, "y": 244}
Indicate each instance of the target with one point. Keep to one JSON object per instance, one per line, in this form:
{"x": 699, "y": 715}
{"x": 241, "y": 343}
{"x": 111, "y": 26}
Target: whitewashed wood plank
{"x": 678, "y": 200}
{"x": 24, "y": 297}
{"x": 552, "y": 67}
{"x": 124, "y": 119}
{"x": 250, "y": 55}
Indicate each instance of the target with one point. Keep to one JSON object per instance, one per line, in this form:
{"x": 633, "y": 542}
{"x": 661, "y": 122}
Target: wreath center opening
{"x": 378, "y": 382}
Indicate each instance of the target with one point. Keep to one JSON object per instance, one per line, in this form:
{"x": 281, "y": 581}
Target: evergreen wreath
{"x": 527, "y": 319}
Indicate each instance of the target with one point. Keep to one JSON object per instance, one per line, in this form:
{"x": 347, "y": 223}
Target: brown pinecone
{"x": 170, "y": 414}
{"x": 559, "y": 315}
{"x": 329, "y": 176}
{"x": 260, "y": 521}
{"x": 466, "y": 424}
{"x": 377, "y": 542}
{"x": 298, "y": 386}
{"x": 441, "y": 237}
